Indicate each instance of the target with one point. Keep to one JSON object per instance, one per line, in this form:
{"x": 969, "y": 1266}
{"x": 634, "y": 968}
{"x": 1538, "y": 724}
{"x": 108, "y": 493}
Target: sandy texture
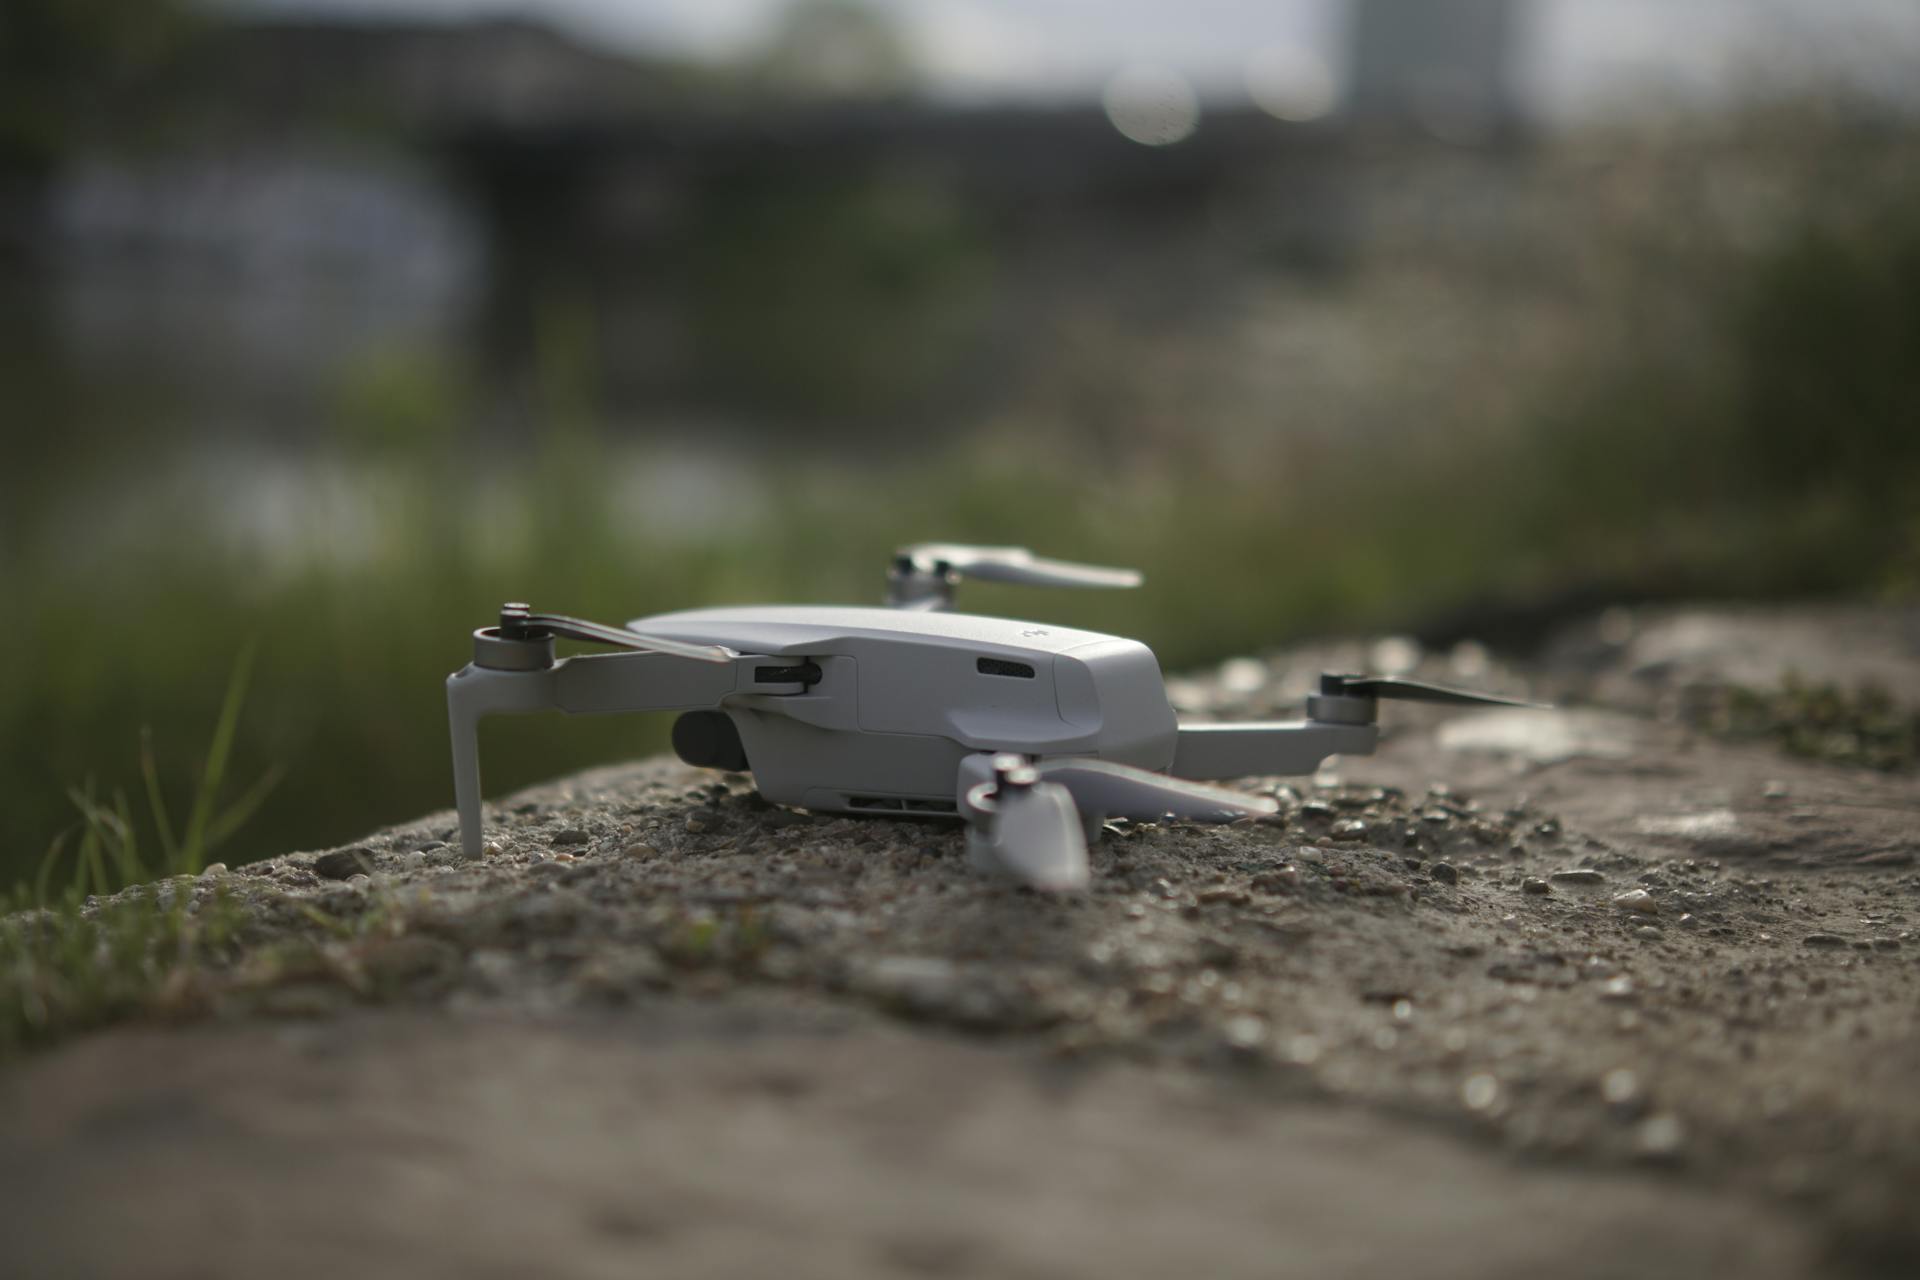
{"x": 1577, "y": 993}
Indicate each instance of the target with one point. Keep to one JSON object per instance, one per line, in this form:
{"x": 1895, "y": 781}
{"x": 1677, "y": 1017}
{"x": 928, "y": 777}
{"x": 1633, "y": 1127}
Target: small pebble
{"x": 342, "y": 863}
{"x": 1580, "y": 875}
{"x": 1619, "y": 1086}
{"x": 1535, "y": 885}
{"x": 572, "y": 835}
{"x": 1445, "y": 873}
{"x": 1824, "y": 940}
{"x": 1302, "y": 1050}
{"x": 1245, "y": 1031}
{"x": 1659, "y": 1137}
{"x": 1637, "y": 900}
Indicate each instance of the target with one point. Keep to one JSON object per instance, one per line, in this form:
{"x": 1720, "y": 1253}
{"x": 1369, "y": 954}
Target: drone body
{"x": 902, "y": 698}
{"x": 1032, "y": 733}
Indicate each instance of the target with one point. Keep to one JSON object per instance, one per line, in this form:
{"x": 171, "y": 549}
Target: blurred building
{"x": 1443, "y": 66}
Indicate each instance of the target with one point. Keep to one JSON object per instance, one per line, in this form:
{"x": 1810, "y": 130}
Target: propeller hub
{"x": 1336, "y": 704}
{"x": 513, "y": 621}
{"x": 509, "y": 648}
{"x": 1011, "y": 772}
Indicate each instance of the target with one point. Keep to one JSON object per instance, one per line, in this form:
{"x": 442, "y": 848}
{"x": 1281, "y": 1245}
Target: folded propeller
{"x": 924, "y": 575}
{"x": 1031, "y": 820}
{"x": 1351, "y": 699}
{"x": 521, "y": 628}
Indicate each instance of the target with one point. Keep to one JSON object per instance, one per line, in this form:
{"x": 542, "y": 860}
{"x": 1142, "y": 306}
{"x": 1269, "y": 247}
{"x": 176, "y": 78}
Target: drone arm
{"x": 1214, "y": 751}
{"x": 591, "y": 684}
{"x": 600, "y": 683}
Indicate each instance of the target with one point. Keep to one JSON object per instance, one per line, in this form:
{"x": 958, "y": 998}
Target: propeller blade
{"x": 1015, "y": 565}
{"x": 519, "y": 622}
{"x": 1037, "y": 836}
{"x": 1123, "y": 791}
{"x": 1400, "y": 689}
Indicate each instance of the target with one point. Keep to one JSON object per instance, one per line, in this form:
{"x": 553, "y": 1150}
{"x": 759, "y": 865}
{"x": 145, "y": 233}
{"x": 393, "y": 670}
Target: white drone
{"x": 1035, "y": 735}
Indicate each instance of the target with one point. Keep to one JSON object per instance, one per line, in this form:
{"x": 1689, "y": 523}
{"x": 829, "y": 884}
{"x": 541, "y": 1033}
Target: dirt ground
{"x": 1591, "y": 992}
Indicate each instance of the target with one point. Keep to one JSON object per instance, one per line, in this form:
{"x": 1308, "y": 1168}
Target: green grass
{"x": 71, "y": 956}
{"x": 1821, "y": 721}
{"x": 66, "y": 968}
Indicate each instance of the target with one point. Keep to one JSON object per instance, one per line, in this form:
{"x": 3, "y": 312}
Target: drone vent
{"x": 897, "y": 804}
{"x": 876, "y": 804}
{"x": 932, "y": 806}
{"x": 1001, "y": 667}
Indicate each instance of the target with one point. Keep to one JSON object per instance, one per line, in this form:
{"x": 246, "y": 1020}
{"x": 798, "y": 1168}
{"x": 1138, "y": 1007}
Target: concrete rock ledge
{"x": 1593, "y": 992}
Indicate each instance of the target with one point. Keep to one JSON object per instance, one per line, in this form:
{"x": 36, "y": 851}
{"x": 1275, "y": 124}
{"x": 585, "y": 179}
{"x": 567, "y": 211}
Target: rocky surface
{"x": 1596, "y": 991}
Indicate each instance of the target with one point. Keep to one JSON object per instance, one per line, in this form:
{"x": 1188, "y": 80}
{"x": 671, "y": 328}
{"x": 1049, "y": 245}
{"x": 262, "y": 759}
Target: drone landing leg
{"x": 1288, "y": 747}
{"x": 472, "y": 693}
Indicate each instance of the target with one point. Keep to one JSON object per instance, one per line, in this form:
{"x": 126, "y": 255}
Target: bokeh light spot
{"x": 1152, "y": 105}
{"x": 1291, "y": 83}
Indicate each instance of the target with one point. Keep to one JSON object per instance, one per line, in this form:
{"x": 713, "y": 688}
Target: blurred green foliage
{"x": 1743, "y": 426}
{"x": 399, "y": 401}
{"x": 1862, "y": 726}
{"x": 846, "y": 299}
{"x": 1830, "y": 338}
{"x": 64, "y": 62}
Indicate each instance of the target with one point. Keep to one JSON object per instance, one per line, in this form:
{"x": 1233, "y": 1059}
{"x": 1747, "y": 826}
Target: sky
{"x": 1580, "y": 57}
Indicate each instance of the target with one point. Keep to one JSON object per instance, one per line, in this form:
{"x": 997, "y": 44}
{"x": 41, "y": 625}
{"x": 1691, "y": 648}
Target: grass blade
{"x": 126, "y": 843}
{"x": 44, "y": 880}
{"x": 235, "y": 815}
{"x": 150, "y": 774}
{"x": 193, "y": 848}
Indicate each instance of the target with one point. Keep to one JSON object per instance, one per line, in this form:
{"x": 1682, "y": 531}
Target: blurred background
{"x": 328, "y": 325}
